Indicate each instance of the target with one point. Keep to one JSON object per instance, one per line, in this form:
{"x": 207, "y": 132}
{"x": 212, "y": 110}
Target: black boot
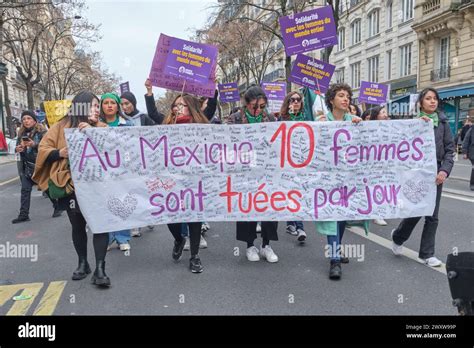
{"x": 20, "y": 218}
{"x": 83, "y": 269}
{"x": 335, "y": 270}
{"x": 57, "y": 212}
{"x": 100, "y": 278}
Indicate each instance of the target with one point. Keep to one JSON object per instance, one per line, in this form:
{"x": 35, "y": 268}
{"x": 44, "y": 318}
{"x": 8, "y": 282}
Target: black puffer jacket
{"x": 444, "y": 145}
{"x": 468, "y": 144}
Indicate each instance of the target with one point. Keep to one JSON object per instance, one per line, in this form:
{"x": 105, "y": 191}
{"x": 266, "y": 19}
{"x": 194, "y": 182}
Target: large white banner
{"x": 130, "y": 177}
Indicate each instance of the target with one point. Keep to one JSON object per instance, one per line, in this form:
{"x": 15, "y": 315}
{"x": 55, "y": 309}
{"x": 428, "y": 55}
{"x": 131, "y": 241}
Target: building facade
{"x": 377, "y": 44}
{"x": 445, "y": 30}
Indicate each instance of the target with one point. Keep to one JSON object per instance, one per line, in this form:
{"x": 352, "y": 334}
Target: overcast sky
{"x": 130, "y": 31}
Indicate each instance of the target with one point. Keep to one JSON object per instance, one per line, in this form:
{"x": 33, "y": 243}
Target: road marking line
{"x": 20, "y": 307}
{"x": 388, "y": 244}
{"x": 9, "y": 181}
{"x": 50, "y": 299}
{"x": 459, "y": 198}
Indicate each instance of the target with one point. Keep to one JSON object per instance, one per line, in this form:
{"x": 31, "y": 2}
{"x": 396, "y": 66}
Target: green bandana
{"x": 298, "y": 117}
{"x": 253, "y": 119}
{"x": 433, "y": 117}
{"x": 115, "y": 122}
{"x": 113, "y": 96}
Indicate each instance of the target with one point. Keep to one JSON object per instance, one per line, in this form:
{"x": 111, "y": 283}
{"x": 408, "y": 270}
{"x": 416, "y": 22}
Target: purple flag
{"x": 312, "y": 73}
{"x": 373, "y": 93}
{"x": 229, "y": 92}
{"x": 159, "y": 78}
{"x": 124, "y": 87}
{"x": 308, "y": 31}
{"x": 276, "y": 93}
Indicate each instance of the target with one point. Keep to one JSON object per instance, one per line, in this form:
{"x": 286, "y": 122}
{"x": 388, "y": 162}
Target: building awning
{"x": 459, "y": 91}
{"x": 403, "y": 98}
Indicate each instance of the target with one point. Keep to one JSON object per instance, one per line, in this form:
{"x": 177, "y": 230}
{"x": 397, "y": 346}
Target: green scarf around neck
{"x": 434, "y": 117}
{"x": 253, "y": 119}
{"x": 297, "y": 117}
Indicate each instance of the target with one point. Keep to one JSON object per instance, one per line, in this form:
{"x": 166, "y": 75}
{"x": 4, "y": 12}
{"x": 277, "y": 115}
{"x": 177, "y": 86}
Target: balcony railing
{"x": 431, "y": 6}
{"x": 439, "y": 74}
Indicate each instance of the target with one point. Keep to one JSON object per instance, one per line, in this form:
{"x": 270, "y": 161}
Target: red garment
{"x": 3, "y": 142}
{"x": 184, "y": 119}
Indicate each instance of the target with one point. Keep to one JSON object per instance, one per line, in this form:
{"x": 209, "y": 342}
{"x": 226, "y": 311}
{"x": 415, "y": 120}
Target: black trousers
{"x": 25, "y": 200}
{"x": 246, "y": 230}
{"x": 194, "y": 234}
{"x": 427, "y": 244}
{"x": 79, "y": 234}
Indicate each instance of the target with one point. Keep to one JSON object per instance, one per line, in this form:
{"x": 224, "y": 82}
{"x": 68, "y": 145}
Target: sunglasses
{"x": 295, "y": 100}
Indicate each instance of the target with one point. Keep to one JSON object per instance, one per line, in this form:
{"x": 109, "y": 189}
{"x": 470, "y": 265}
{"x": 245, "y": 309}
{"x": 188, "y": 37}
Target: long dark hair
{"x": 194, "y": 107}
{"x": 254, "y": 93}
{"x": 423, "y": 94}
{"x": 286, "y": 105}
{"x": 374, "y": 112}
{"x": 80, "y": 109}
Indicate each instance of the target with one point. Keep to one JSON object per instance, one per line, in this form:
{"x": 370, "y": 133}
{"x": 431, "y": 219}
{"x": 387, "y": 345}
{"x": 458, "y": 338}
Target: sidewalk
{"x": 6, "y": 158}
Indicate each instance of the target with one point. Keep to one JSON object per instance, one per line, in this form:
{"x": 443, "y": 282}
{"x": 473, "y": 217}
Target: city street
{"x": 148, "y": 282}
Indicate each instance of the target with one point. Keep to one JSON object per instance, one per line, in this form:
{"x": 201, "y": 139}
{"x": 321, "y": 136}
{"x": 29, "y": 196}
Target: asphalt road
{"x": 148, "y": 282}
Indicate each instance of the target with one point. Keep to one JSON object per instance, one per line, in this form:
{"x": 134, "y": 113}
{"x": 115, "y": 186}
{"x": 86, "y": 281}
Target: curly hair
{"x": 332, "y": 91}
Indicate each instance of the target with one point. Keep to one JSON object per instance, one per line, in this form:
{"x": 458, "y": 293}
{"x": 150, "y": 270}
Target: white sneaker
{"x": 268, "y": 254}
{"x": 186, "y": 245}
{"x": 433, "y": 262}
{"x": 397, "y": 249}
{"x": 135, "y": 232}
{"x": 125, "y": 247}
{"x": 301, "y": 235}
{"x": 205, "y": 227}
{"x": 259, "y": 227}
{"x": 202, "y": 243}
{"x": 291, "y": 230}
{"x": 252, "y": 254}
{"x": 380, "y": 222}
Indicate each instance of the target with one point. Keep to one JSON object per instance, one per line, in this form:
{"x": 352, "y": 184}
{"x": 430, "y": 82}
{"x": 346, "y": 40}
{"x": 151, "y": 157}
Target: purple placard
{"x": 158, "y": 77}
{"x": 124, "y": 87}
{"x": 373, "y": 93}
{"x": 190, "y": 60}
{"x": 308, "y": 31}
{"x": 229, "y": 92}
{"x": 274, "y": 90}
{"x": 312, "y": 73}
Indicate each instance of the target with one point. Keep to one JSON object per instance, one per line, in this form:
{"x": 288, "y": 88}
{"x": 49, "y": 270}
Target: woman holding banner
{"x": 254, "y": 112}
{"x": 292, "y": 110}
{"x": 112, "y": 115}
{"x": 186, "y": 109}
{"x": 52, "y": 172}
{"x": 428, "y": 101}
{"x": 338, "y": 98}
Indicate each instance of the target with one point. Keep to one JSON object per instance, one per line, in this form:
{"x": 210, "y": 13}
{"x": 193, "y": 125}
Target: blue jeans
{"x": 122, "y": 237}
{"x": 184, "y": 230}
{"x": 298, "y": 224}
{"x": 335, "y": 242}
